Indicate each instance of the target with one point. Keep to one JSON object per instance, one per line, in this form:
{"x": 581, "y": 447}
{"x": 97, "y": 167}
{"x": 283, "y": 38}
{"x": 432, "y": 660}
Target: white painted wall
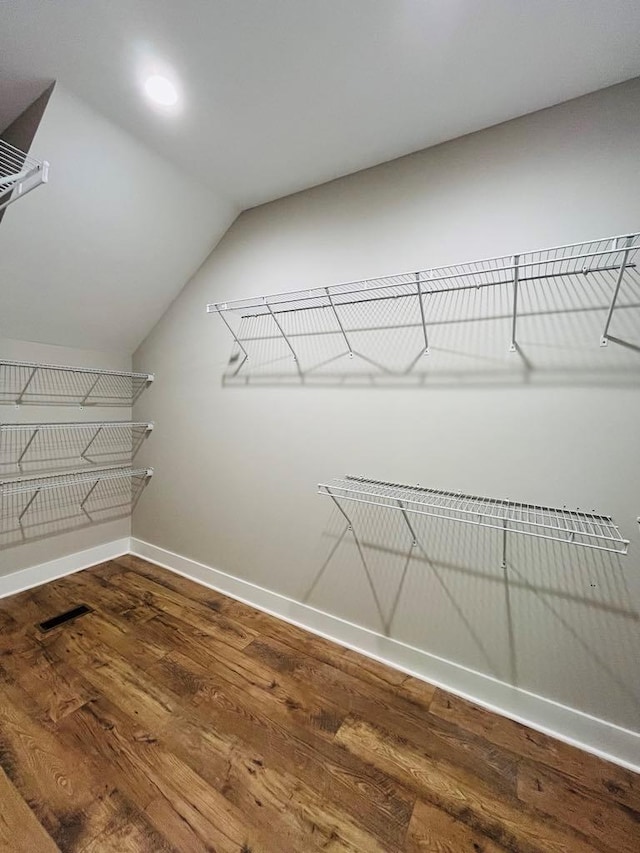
{"x": 93, "y": 259}
{"x": 70, "y": 541}
{"x": 236, "y": 468}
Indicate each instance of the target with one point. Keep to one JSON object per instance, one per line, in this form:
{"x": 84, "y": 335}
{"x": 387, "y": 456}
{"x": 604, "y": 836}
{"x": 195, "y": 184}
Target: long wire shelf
{"x": 403, "y": 300}
{"x": 30, "y": 500}
{"x": 19, "y": 173}
{"x": 26, "y": 447}
{"x": 24, "y": 382}
{"x": 572, "y": 527}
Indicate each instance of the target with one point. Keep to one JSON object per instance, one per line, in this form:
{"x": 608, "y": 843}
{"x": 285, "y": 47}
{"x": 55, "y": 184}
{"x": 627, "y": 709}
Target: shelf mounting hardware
{"x": 604, "y": 340}
{"x": 421, "y": 304}
{"x": 339, "y": 322}
{"x": 282, "y": 332}
{"x": 516, "y": 261}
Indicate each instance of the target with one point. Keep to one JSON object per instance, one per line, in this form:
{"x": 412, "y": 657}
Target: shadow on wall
{"x": 381, "y": 343}
{"x": 495, "y": 620}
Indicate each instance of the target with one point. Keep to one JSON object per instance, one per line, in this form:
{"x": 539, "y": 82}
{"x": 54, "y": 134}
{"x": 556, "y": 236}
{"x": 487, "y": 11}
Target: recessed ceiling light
{"x": 161, "y": 90}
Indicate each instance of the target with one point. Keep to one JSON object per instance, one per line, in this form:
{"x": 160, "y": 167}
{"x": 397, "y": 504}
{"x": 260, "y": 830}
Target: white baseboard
{"x": 37, "y": 575}
{"x": 604, "y": 739}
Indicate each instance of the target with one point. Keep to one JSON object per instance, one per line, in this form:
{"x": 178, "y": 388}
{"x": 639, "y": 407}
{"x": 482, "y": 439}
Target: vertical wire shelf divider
{"x": 25, "y": 446}
{"x": 571, "y": 527}
{"x": 24, "y": 382}
{"x": 19, "y": 173}
{"x": 609, "y": 261}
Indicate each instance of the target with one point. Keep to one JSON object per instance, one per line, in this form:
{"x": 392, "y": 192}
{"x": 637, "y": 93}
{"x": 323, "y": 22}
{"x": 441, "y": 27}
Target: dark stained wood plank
{"x": 164, "y": 601}
{"x": 20, "y": 830}
{"x": 614, "y": 827}
{"x": 181, "y": 806}
{"x": 282, "y": 805}
{"x": 130, "y": 833}
{"x": 373, "y": 801}
{"x": 56, "y": 688}
{"x": 64, "y": 791}
{"x": 434, "y": 831}
{"x": 397, "y": 714}
{"x": 215, "y": 601}
{"x": 106, "y": 597}
{"x": 600, "y": 776}
{"x": 486, "y": 809}
{"x": 112, "y": 675}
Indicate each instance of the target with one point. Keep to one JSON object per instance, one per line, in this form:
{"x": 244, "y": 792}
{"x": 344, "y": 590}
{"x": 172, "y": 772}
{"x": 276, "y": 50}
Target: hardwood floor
{"x": 174, "y": 718}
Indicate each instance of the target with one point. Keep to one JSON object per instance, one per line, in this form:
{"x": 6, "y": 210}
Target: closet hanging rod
{"x": 572, "y": 527}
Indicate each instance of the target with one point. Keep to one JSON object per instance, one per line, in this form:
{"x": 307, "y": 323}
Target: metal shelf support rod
{"x": 408, "y": 523}
{"x": 28, "y": 506}
{"x": 88, "y": 495}
{"x": 339, "y": 322}
{"x": 282, "y": 332}
{"x": 28, "y": 445}
{"x": 424, "y": 325}
{"x": 29, "y": 381}
{"x": 227, "y": 324}
{"x": 95, "y": 435}
{"x": 90, "y": 391}
{"x": 623, "y": 265}
{"x": 337, "y": 503}
{"x": 516, "y": 261}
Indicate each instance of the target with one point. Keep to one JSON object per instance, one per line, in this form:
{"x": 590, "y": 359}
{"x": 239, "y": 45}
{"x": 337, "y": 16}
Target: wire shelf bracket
{"x": 571, "y": 527}
{"x": 19, "y": 173}
{"x": 24, "y": 382}
{"x": 607, "y": 261}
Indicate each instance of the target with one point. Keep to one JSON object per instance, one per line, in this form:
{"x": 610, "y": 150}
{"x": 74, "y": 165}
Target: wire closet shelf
{"x": 28, "y": 446}
{"x": 24, "y": 382}
{"x": 572, "y": 527}
{"x": 84, "y": 492}
{"x": 19, "y": 173}
{"x": 606, "y": 261}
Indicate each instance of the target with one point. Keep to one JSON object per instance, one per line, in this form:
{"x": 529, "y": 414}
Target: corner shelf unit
{"x": 402, "y": 300}
{"x": 28, "y": 446}
{"x": 32, "y": 498}
{"x": 24, "y": 383}
{"x": 19, "y": 173}
{"x": 571, "y": 527}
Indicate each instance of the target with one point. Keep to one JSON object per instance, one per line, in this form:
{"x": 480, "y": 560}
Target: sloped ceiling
{"x": 280, "y": 95}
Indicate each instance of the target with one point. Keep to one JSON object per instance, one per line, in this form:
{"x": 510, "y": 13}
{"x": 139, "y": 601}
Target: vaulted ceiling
{"x": 280, "y": 95}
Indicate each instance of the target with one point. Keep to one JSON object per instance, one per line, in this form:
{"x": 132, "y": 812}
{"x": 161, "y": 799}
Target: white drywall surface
{"x": 236, "y": 468}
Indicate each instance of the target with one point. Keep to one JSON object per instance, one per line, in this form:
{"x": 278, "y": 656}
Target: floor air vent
{"x": 61, "y": 618}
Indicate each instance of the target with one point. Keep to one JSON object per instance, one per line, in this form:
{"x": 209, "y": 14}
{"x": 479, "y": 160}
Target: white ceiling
{"x": 280, "y": 95}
